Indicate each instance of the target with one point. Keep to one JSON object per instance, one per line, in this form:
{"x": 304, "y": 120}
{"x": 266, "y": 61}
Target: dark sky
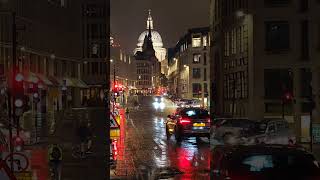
{"x": 171, "y": 19}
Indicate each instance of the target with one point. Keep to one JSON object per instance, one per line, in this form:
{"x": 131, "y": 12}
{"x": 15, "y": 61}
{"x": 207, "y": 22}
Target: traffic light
{"x": 18, "y": 92}
{"x": 287, "y": 97}
{"x": 18, "y": 143}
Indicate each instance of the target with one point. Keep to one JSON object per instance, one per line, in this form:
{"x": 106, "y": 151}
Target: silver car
{"x": 224, "y": 128}
{"x": 273, "y": 131}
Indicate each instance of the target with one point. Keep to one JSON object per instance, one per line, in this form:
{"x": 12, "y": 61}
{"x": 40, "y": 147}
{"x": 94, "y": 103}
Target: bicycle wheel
{"x": 76, "y": 152}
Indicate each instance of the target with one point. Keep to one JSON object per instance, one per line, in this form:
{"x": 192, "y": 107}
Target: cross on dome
{"x": 149, "y": 20}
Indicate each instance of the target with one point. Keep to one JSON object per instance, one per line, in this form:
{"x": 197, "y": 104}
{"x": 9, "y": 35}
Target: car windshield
{"x": 275, "y": 163}
{"x": 261, "y": 127}
{"x": 195, "y": 113}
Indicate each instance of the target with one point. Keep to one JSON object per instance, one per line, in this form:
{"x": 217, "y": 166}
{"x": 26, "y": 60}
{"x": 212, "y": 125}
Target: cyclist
{"x": 55, "y": 158}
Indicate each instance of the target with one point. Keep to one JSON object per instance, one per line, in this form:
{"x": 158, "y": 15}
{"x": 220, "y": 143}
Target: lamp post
{"x": 114, "y": 83}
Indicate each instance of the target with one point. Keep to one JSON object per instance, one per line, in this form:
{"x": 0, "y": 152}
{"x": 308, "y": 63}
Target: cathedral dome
{"x": 155, "y": 36}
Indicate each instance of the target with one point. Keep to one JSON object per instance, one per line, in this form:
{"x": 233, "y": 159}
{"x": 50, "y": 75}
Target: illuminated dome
{"x": 155, "y": 36}
{"x": 160, "y": 52}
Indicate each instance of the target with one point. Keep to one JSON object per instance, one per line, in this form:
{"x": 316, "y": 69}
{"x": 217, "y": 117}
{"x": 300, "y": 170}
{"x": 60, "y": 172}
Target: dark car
{"x": 263, "y": 162}
{"x": 186, "y": 122}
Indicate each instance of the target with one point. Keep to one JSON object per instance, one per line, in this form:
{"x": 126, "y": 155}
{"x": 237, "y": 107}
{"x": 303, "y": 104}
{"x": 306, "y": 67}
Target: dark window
{"x": 205, "y": 89}
{"x": 205, "y": 59}
{"x": 205, "y": 74}
{"x": 196, "y": 58}
{"x": 196, "y": 89}
{"x": 64, "y": 68}
{"x": 73, "y": 69}
{"x": 196, "y": 73}
{"x": 277, "y": 36}
{"x": 304, "y": 5}
{"x": 305, "y": 81}
{"x": 277, "y": 82}
{"x": 305, "y": 39}
{"x": 275, "y": 3}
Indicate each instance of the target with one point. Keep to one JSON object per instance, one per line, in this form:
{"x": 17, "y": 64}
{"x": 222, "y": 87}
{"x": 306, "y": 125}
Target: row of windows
{"x": 97, "y": 50}
{"x": 197, "y": 58}
{"x": 197, "y": 89}
{"x": 144, "y": 77}
{"x": 196, "y": 73}
{"x": 236, "y": 85}
{"x": 236, "y": 63}
{"x": 142, "y": 65}
{"x": 96, "y": 31}
{"x": 42, "y": 65}
{"x": 95, "y": 68}
{"x": 144, "y": 83}
{"x": 279, "y": 81}
{"x": 143, "y": 71}
{"x": 236, "y": 40}
{"x": 199, "y": 41}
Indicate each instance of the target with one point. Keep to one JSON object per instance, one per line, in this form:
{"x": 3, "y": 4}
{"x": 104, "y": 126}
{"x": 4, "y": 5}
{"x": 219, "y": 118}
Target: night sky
{"x": 171, "y": 19}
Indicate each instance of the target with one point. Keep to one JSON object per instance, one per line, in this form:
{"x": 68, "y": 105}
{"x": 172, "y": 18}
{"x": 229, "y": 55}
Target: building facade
{"x": 188, "y": 69}
{"x": 148, "y": 67}
{"x": 50, "y": 55}
{"x": 265, "y": 56}
{"x": 95, "y": 47}
{"x": 122, "y": 68}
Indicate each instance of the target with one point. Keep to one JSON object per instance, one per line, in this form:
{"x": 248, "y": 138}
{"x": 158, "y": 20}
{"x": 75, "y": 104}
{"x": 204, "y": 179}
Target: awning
{"x": 79, "y": 83}
{"x": 45, "y": 80}
{"x": 74, "y": 82}
{"x": 67, "y": 82}
{"x": 54, "y": 81}
{"x": 31, "y": 77}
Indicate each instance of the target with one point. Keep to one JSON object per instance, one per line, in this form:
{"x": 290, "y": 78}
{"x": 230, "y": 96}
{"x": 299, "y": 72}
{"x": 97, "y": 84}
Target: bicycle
{"x": 76, "y": 152}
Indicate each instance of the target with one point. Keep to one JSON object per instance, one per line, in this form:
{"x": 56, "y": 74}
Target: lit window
{"x": 196, "y": 41}
{"x": 196, "y": 58}
{"x": 205, "y": 41}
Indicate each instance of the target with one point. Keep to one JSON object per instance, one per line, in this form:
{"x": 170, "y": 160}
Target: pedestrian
{"x": 127, "y": 112}
{"x": 89, "y": 138}
{"x": 55, "y": 160}
{"x": 136, "y": 104}
{"x": 82, "y": 133}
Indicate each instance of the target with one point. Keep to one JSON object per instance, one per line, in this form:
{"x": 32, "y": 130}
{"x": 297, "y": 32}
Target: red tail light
{"x": 209, "y": 120}
{"x": 184, "y": 121}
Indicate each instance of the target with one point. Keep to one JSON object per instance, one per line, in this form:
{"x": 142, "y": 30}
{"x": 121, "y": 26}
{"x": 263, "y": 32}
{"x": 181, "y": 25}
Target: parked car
{"x": 272, "y": 131}
{"x": 224, "y": 128}
{"x": 263, "y": 162}
{"x": 188, "y": 122}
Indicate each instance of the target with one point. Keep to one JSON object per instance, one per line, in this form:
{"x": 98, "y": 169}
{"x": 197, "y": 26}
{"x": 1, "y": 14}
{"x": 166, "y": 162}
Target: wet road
{"x": 148, "y": 153}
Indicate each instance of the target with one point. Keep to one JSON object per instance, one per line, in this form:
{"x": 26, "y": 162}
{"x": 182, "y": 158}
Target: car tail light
{"x": 209, "y": 120}
{"x": 184, "y": 121}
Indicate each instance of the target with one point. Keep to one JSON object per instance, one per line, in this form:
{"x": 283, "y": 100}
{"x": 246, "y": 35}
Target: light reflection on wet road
{"x": 156, "y": 157}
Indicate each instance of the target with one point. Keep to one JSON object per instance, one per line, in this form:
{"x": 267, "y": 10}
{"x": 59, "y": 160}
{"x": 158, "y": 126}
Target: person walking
{"x": 83, "y": 133}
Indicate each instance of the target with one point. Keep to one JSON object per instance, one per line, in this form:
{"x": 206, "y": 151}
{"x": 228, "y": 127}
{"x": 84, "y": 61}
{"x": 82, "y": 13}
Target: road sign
{"x": 113, "y": 122}
{"x": 316, "y": 133}
{"x": 114, "y": 133}
{"x": 5, "y": 172}
{"x": 25, "y": 175}
{"x": 20, "y": 162}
